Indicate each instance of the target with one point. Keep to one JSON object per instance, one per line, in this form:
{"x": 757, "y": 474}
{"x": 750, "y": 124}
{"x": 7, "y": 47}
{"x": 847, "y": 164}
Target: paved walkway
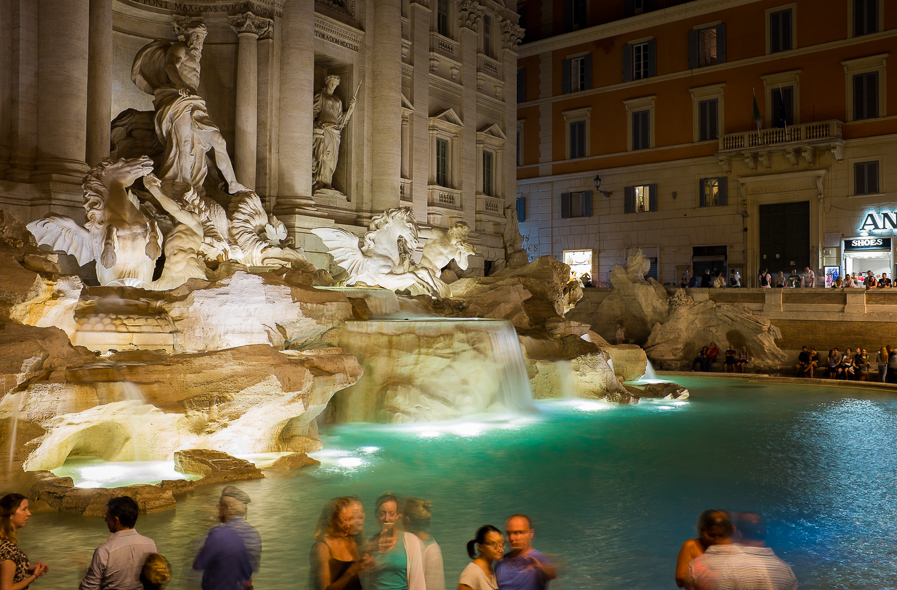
{"x": 764, "y": 378}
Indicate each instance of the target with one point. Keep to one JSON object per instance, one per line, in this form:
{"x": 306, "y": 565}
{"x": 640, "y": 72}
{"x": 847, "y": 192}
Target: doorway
{"x": 784, "y": 236}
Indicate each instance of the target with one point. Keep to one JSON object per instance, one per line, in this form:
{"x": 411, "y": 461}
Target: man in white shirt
{"x": 808, "y": 278}
{"x": 757, "y": 568}
{"x": 117, "y": 563}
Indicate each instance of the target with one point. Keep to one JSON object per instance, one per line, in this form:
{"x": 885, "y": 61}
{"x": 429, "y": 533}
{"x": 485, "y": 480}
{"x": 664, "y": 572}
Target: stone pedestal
{"x": 249, "y": 28}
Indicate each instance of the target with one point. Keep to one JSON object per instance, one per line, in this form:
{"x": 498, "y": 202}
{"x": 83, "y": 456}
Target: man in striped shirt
{"x": 117, "y": 563}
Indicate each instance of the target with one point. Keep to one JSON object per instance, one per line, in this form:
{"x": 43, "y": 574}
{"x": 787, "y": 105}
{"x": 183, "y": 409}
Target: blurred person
{"x": 696, "y": 547}
{"x": 683, "y": 280}
{"x": 16, "y": 572}
{"x": 757, "y": 568}
{"x": 155, "y": 573}
{"x": 335, "y": 561}
{"x": 731, "y": 359}
{"x": 734, "y": 279}
{"x": 694, "y": 281}
{"x": 808, "y": 278}
{"x": 706, "y": 280}
{"x": 862, "y": 364}
{"x": 712, "y": 353}
{"x": 620, "y": 335}
{"x": 356, "y": 529}
{"x": 703, "y": 572}
{"x": 765, "y": 279}
{"x": 522, "y": 568}
{"x": 814, "y": 360}
{"x": 780, "y": 280}
{"x": 224, "y": 557}
{"x": 699, "y": 360}
{"x": 884, "y": 282}
{"x": 838, "y": 282}
{"x": 892, "y": 365}
{"x": 803, "y": 363}
{"x": 743, "y": 359}
{"x": 871, "y": 282}
{"x": 834, "y": 363}
{"x": 416, "y": 516}
{"x": 881, "y": 358}
{"x": 793, "y": 280}
{"x": 484, "y": 549}
{"x": 586, "y": 280}
{"x": 719, "y": 280}
{"x": 234, "y": 501}
{"x": 117, "y": 563}
{"x": 398, "y": 562}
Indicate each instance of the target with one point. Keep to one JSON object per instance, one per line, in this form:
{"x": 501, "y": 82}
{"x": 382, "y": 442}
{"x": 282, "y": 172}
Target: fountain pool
{"x": 614, "y": 489}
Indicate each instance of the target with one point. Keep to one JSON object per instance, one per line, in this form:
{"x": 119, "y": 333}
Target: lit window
{"x": 640, "y": 61}
{"x": 713, "y": 192}
{"x": 707, "y": 49}
{"x": 707, "y": 46}
{"x": 578, "y": 74}
{"x": 579, "y": 261}
{"x": 641, "y": 198}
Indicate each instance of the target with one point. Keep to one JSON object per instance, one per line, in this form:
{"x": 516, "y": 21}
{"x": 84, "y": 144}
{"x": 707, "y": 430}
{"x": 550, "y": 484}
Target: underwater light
{"x": 370, "y": 450}
{"x": 350, "y": 462}
{"x": 430, "y": 434}
{"x": 592, "y": 406}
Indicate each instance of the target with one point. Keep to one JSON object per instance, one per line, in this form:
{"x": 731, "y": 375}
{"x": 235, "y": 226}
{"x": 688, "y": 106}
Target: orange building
{"x": 733, "y": 135}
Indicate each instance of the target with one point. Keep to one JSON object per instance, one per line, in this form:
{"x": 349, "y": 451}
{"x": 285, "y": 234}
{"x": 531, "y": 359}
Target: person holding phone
{"x": 396, "y": 554}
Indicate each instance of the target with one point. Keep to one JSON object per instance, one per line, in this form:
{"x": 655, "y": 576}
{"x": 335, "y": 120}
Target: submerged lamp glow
{"x": 350, "y": 462}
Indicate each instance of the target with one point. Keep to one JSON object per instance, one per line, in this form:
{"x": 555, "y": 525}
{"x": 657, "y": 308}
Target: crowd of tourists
{"x": 402, "y": 555}
{"x": 853, "y": 364}
{"x": 715, "y": 279}
{"x": 733, "y": 360}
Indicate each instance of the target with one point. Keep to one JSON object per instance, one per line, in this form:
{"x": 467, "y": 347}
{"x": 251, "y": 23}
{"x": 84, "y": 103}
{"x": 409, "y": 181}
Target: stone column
{"x": 510, "y": 38}
{"x": 420, "y": 81}
{"x": 99, "y": 81}
{"x": 470, "y": 14}
{"x": 297, "y": 62}
{"x": 386, "y": 158}
{"x": 63, "y": 48}
{"x": 249, "y": 28}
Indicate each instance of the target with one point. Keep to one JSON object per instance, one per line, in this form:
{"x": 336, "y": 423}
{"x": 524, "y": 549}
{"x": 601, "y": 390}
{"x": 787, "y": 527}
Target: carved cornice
{"x": 470, "y": 12}
{"x": 248, "y": 23}
{"x": 265, "y": 8}
{"x": 511, "y": 35}
{"x": 337, "y": 33}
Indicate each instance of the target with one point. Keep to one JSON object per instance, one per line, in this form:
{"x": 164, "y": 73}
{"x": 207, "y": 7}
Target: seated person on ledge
{"x": 699, "y": 360}
{"x": 803, "y": 363}
{"x": 884, "y": 282}
{"x": 743, "y": 359}
{"x": 730, "y": 359}
{"x": 814, "y": 360}
{"x": 847, "y": 367}
{"x": 712, "y": 353}
{"x": 834, "y": 364}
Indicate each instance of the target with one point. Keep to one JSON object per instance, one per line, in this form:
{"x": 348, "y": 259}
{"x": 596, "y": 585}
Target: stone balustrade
{"x": 795, "y": 134}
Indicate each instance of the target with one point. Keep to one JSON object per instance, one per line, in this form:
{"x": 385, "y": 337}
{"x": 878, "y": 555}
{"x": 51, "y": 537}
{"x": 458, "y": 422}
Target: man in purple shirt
{"x": 522, "y": 568}
{"x": 224, "y": 559}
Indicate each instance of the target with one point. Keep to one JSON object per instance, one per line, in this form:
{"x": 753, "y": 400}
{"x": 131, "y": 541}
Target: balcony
{"x": 492, "y": 206}
{"x": 446, "y": 198}
{"x": 487, "y": 65}
{"x": 797, "y": 141}
{"x": 445, "y": 47}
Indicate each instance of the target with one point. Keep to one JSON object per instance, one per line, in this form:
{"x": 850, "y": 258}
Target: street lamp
{"x": 597, "y": 181}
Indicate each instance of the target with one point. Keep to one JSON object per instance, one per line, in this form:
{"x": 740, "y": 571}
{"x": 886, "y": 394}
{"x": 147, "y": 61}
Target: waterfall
{"x": 565, "y": 379}
{"x": 430, "y": 370}
{"x": 381, "y": 302}
{"x": 131, "y": 393}
{"x": 649, "y": 372}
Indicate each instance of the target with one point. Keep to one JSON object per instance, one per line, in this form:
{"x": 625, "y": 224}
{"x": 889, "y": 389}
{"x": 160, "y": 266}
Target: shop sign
{"x": 886, "y": 221}
{"x": 863, "y": 244}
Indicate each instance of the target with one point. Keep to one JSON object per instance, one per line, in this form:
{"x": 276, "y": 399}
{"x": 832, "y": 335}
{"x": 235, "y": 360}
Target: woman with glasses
{"x": 485, "y": 549}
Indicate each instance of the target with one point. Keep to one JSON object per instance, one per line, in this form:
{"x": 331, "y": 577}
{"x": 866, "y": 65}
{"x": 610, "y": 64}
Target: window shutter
{"x": 568, "y": 15}
{"x": 652, "y": 197}
{"x": 872, "y": 16}
{"x": 693, "y": 50}
{"x": 859, "y": 97}
{"x": 521, "y": 86}
{"x": 627, "y": 63}
{"x": 521, "y": 209}
{"x": 646, "y": 129}
{"x": 586, "y": 203}
{"x": 636, "y": 131}
{"x": 871, "y": 95}
{"x": 565, "y": 206}
{"x": 713, "y": 119}
{"x": 785, "y": 23}
{"x": 723, "y": 194}
{"x": 721, "y": 43}
{"x": 587, "y": 64}
{"x": 702, "y": 202}
{"x": 629, "y": 6}
{"x": 775, "y": 32}
{"x": 872, "y": 176}
{"x": 568, "y": 64}
{"x": 703, "y": 118}
{"x": 628, "y": 200}
{"x": 859, "y": 179}
{"x": 652, "y": 58}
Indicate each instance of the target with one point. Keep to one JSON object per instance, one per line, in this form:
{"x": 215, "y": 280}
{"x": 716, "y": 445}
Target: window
{"x": 641, "y": 130}
{"x": 521, "y": 209}
{"x": 487, "y": 35}
{"x": 713, "y": 192}
{"x": 520, "y": 143}
{"x": 579, "y": 261}
{"x": 866, "y": 84}
{"x": 782, "y": 106}
{"x": 577, "y": 139}
{"x": 442, "y": 18}
{"x": 442, "y": 162}
{"x": 639, "y": 60}
{"x": 640, "y": 199}
{"x": 865, "y": 16}
{"x": 707, "y": 46}
{"x": 640, "y": 123}
{"x": 865, "y": 178}
{"x": 782, "y": 98}
{"x": 865, "y": 96}
{"x": 576, "y": 15}
{"x": 521, "y": 85}
{"x": 637, "y": 7}
{"x": 577, "y": 73}
{"x": 780, "y": 39}
{"x": 708, "y": 124}
{"x": 488, "y": 173}
{"x": 577, "y": 204}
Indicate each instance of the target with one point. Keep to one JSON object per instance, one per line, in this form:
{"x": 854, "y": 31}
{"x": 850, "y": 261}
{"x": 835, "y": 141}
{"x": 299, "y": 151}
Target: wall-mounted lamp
{"x": 606, "y": 194}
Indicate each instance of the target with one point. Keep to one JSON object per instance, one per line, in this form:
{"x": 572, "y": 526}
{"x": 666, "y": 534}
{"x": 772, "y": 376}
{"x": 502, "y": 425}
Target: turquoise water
{"x": 614, "y": 490}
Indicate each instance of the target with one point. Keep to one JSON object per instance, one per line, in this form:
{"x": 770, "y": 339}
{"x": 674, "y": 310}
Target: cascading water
{"x": 429, "y": 370}
{"x": 132, "y": 393}
{"x": 566, "y": 378}
{"x": 381, "y": 302}
{"x": 649, "y": 372}
{"x": 17, "y": 399}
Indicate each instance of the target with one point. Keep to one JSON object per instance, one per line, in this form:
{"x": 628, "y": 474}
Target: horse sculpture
{"x": 122, "y": 240}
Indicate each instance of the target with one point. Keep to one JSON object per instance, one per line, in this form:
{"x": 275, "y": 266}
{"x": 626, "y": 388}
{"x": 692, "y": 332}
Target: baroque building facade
{"x": 727, "y": 134}
{"x": 433, "y": 83}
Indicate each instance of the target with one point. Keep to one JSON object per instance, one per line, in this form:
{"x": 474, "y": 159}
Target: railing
{"x": 488, "y": 66}
{"x": 490, "y": 205}
{"x": 804, "y": 133}
{"x": 439, "y": 196}
{"x": 445, "y": 46}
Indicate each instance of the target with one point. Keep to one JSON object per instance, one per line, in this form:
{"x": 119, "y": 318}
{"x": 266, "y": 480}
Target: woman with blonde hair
{"x": 16, "y": 572}
{"x": 396, "y": 553}
{"x": 156, "y": 572}
{"x": 335, "y": 560}
{"x": 416, "y": 516}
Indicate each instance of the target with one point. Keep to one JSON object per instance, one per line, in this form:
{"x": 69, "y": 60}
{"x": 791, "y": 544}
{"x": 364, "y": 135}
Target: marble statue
{"x": 330, "y": 119}
{"x": 170, "y": 72}
{"x": 261, "y": 238}
{"x": 183, "y": 244}
{"x": 117, "y": 234}
{"x": 440, "y": 249}
{"x": 376, "y": 258}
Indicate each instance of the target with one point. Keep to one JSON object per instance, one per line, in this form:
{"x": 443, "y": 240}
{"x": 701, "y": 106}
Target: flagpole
{"x": 782, "y": 102}
{"x": 757, "y": 116}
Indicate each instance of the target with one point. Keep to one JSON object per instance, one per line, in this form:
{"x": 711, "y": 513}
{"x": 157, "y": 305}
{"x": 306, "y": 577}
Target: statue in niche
{"x": 440, "y": 249}
{"x": 184, "y": 243}
{"x": 117, "y": 234}
{"x": 330, "y": 119}
{"x": 170, "y": 72}
{"x": 377, "y": 258}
